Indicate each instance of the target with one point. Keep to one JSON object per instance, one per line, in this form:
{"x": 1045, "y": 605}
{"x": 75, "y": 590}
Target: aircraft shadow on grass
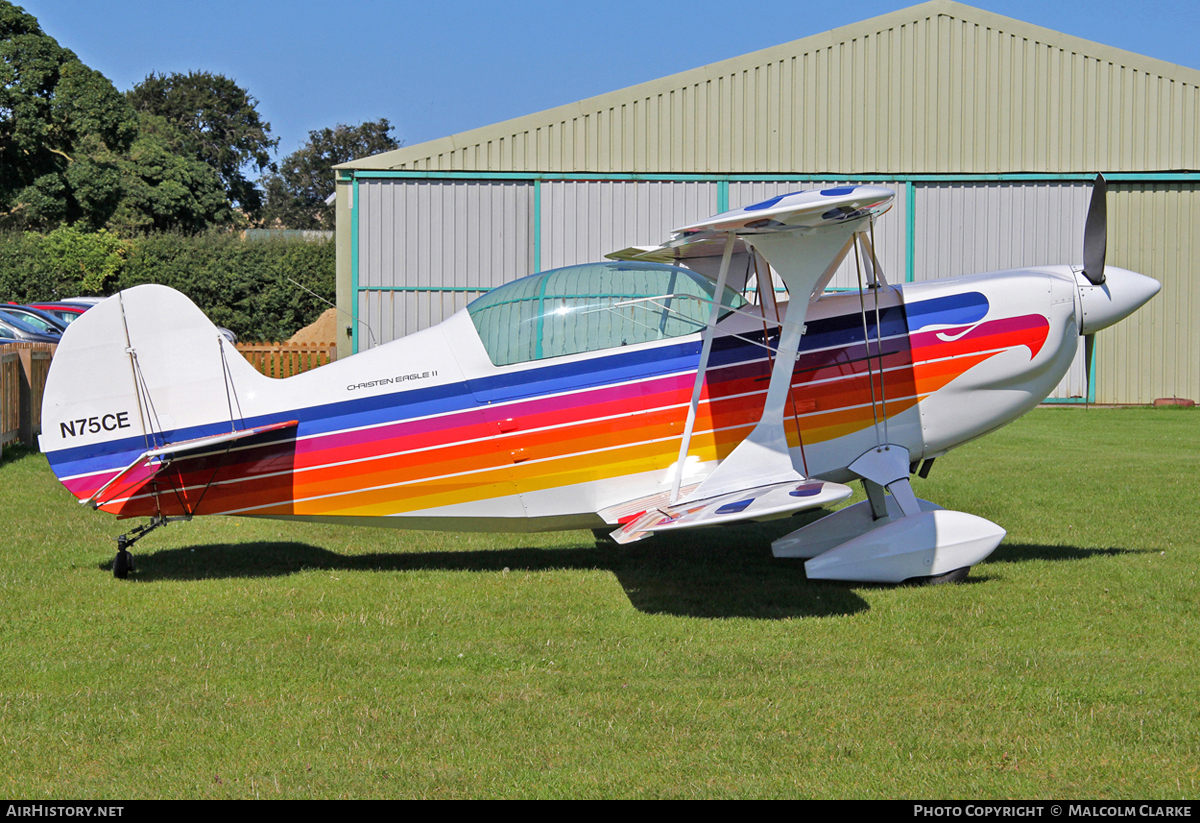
{"x": 1024, "y": 552}
{"x": 716, "y": 573}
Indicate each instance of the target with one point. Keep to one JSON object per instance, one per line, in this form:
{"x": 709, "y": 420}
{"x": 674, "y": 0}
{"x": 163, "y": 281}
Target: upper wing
{"x": 801, "y": 209}
{"x": 710, "y": 245}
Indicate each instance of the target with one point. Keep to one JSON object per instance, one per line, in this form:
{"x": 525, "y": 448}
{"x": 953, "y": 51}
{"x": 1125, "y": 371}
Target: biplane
{"x": 708, "y": 380}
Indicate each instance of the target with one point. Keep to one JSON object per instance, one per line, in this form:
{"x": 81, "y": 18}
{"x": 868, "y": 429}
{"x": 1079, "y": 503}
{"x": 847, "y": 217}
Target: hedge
{"x": 243, "y": 285}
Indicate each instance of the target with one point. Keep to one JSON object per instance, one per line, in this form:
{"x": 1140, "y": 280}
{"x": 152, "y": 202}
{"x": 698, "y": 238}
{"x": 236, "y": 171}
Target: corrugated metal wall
{"x": 966, "y": 227}
{"x": 1154, "y": 229}
{"x": 583, "y": 220}
{"x": 426, "y": 248}
{"x": 939, "y": 87}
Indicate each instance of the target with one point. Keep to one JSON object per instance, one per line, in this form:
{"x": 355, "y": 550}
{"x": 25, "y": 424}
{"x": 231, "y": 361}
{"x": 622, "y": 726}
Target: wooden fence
{"x": 287, "y": 359}
{"x": 10, "y": 394}
{"x": 23, "y": 370}
{"x": 24, "y": 366}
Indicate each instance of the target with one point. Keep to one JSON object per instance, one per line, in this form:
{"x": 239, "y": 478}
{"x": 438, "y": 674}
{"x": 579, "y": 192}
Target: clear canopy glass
{"x": 593, "y": 307}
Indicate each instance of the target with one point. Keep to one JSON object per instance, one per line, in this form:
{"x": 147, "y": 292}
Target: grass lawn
{"x": 253, "y": 658}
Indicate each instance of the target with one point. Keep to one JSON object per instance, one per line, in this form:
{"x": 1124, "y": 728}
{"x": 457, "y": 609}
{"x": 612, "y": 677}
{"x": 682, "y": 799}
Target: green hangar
{"x": 972, "y": 118}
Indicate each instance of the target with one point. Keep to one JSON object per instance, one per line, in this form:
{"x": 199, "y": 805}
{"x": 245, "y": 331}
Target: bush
{"x": 93, "y": 259}
{"x": 243, "y": 285}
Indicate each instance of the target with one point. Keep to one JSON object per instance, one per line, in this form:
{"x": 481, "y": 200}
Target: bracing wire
{"x": 370, "y": 334}
{"x": 862, "y": 303}
{"x": 879, "y": 333}
{"x": 231, "y": 397}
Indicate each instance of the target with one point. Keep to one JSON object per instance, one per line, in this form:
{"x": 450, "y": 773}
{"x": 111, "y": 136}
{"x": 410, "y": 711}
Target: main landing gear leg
{"x": 891, "y": 538}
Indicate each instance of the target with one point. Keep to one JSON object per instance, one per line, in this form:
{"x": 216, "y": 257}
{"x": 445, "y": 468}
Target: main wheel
{"x": 956, "y": 576}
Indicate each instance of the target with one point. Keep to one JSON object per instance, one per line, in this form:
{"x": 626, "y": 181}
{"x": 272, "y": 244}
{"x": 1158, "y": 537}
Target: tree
{"x": 296, "y": 194}
{"x": 63, "y": 129}
{"x": 165, "y": 189}
{"x": 217, "y": 123}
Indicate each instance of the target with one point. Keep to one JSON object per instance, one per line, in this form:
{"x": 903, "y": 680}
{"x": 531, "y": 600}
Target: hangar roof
{"x": 940, "y": 87}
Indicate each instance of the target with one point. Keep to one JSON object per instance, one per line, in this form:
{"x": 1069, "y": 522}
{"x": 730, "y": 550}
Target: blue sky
{"x": 434, "y": 71}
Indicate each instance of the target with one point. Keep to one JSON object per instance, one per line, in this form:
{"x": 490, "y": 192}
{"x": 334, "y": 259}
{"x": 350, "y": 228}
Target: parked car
{"x": 44, "y": 321}
{"x": 25, "y": 332}
{"x": 63, "y": 310}
{"x": 68, "y": 310}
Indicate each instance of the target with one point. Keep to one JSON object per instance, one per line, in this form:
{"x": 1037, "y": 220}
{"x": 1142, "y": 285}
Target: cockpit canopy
{"x": 593, "y": 307}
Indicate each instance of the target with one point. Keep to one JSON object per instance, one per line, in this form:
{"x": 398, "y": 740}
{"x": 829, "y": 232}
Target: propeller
{"x": 1095, "y": 232}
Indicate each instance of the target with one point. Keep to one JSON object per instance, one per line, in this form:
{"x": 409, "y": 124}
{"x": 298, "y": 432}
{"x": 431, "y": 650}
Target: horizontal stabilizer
{"x": 747, "y": 504}
{"x": 202, "y": 443}
{"x": 173, "y": 450}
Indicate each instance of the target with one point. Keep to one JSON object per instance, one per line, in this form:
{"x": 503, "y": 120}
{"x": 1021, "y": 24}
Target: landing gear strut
{"x": 122, "y": 564}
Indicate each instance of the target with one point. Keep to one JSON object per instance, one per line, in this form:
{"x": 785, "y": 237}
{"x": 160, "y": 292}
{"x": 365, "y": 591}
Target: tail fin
{"x": 138, "y": 372}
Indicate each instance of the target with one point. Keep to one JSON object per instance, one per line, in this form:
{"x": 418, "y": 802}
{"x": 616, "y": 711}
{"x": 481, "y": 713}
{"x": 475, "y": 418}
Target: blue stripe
{"x": 953, "y": 310}
{"x": 840, "y": 331}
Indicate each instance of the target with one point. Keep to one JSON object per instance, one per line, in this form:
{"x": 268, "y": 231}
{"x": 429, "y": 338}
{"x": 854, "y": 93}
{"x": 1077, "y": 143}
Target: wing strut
{"x": 763, "y": 457}
{"x": 705, "y": 351}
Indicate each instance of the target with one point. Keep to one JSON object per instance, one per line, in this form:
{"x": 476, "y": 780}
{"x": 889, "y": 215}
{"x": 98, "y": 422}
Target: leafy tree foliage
{"x": 63, "y": 129}
{"x": 296, "y": 194}
{"x": 163, "y": 188}
{"x": 243, "y": 285}
{"x": 73, "y": 151}
{"x": 218, "y": 124}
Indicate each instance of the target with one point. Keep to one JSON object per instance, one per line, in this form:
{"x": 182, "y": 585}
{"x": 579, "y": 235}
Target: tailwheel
{"x": 122, "y": 563}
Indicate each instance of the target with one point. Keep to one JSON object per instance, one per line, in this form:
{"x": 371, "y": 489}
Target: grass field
{"x": 259, "y": 659}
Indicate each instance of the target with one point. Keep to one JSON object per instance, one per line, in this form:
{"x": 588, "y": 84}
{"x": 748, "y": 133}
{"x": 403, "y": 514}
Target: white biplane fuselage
{"x": 633, "y": 396}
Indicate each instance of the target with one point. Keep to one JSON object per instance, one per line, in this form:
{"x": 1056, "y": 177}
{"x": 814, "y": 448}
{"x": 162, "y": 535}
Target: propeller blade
{"x": 1095, "y": 233}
